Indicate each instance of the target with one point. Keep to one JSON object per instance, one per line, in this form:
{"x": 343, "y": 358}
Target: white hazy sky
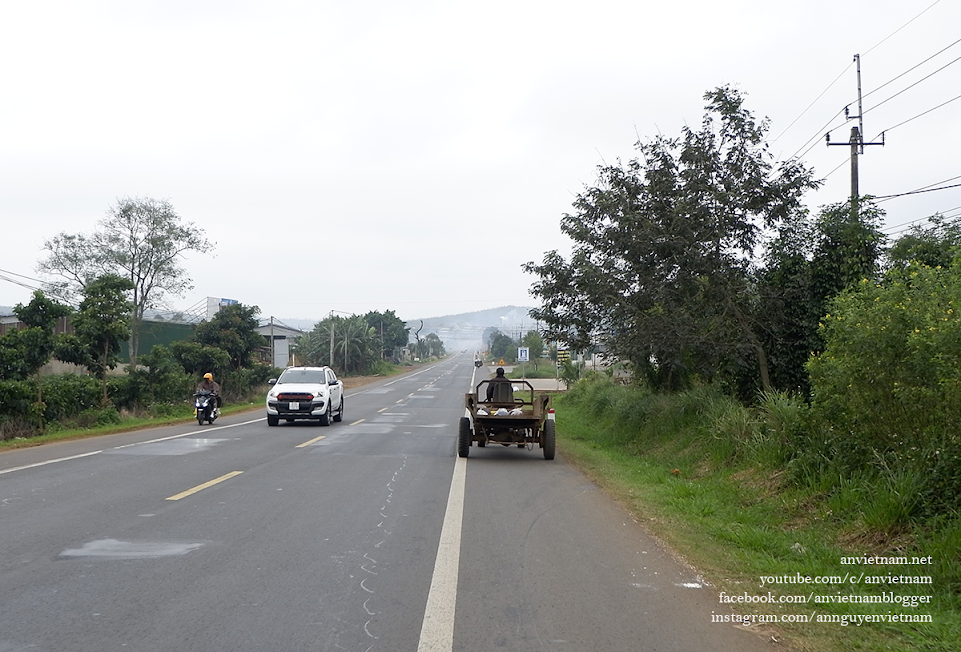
{"x": 412, "y": 155}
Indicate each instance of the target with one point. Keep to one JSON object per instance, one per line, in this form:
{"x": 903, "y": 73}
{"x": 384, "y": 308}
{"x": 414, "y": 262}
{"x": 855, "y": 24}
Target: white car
{"x": 305, "y": 393}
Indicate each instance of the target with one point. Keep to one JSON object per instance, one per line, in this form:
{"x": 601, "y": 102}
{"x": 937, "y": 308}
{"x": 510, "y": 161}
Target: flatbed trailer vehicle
{"x": 513, "y": 416}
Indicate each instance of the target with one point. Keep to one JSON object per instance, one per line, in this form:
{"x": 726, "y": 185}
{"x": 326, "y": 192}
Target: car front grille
{"x": 295, "y": 396}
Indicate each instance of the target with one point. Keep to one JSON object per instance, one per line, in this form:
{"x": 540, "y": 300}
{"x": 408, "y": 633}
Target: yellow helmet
{"x": 209, "y": 376}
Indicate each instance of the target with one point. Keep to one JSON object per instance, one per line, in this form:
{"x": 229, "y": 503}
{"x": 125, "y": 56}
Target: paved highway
{"x": 366, "y": 535}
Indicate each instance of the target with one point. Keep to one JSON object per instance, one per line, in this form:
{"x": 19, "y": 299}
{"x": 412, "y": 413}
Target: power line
{"x": 917, "y": 192}
{"x": 903, "y": 26}
{"x": 912, "y": 68}
{"x": 924, "y": 113}
{"x": 931, "y": 185}
{"x": 907, "y": 226}
{"x": 904, "y": 90}
{"x": 812, "y": 104}
{"x": 6, "y": 276}
{"x": 820, "y": 132}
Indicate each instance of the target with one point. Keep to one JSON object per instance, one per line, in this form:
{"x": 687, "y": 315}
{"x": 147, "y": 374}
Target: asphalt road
{"x": 369, "y": 534}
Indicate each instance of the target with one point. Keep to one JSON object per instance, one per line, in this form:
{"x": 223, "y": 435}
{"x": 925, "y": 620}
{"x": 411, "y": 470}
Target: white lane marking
{"x": 60, "y": 459}
{"x": 151, "y": 441}
{"x": 437, "y": 630}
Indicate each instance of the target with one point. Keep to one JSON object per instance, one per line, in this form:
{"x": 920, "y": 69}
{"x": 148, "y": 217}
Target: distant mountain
{"x": 503, "y": 317}
{"x": 461, "y": 331}
{"x": 466, "y": 330}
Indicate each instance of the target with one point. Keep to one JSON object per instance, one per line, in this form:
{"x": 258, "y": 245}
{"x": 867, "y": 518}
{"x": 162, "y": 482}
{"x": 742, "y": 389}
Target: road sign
{"x": 523, "y": 354}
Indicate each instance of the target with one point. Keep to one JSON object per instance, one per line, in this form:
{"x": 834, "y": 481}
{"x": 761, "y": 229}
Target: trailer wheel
{"x": 549, "y": 440}
{"x": 463, "y": 437}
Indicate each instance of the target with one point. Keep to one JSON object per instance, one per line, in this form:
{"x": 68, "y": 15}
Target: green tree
{"x": 140, "y": 239}
{"x": 100, "y": 325}
{"x": 355, "y": 344}
{"x": 665, "y": 249}
{"x": 533, "y": 341}
{"x": 358, "y": 345}
{"x": 24, "y": 352}
{"x": 503, "y": 347}
{"x": 935, "y": 244}
{"x": 806, "y": 266}
{"x": 233, "y": 330}
{"x": 430, "y": 346}
{"x": 391, "y": 330}
{"x": 197, "y": 359}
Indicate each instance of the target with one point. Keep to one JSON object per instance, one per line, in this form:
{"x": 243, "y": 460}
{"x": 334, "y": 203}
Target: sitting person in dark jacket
{"x": 492, "y": 386}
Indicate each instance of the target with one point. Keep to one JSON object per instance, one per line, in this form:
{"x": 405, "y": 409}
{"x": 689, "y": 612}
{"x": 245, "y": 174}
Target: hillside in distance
{"x": 460, "y": 331}
{"x": 466, "y": 330}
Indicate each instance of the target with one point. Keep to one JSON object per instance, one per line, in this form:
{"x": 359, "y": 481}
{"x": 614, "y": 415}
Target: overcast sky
{"x": 411, "y": 155}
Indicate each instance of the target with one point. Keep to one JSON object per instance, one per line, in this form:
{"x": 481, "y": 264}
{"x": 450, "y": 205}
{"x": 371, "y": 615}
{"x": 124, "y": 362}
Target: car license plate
{"x": 293, "y": 405}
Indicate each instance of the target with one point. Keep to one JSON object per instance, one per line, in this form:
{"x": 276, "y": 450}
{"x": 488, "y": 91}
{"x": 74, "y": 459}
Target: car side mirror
{"x": 272, "y": 381}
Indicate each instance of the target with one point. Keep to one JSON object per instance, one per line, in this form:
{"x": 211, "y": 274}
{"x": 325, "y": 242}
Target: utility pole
{"x": 330, "y": 360}
{"x": 273, "y": 357}
{"x": 856, "y": 142}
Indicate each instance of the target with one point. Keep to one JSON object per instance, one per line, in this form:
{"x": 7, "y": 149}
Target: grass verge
{"x": 705, "y": 475}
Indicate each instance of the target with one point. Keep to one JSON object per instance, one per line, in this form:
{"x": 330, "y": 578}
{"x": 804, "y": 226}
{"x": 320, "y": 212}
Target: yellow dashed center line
{"x": 203, "y": 486}
{"x": 358, "y": 421}
{"x": 381, "y": 409}
{"x": 308, "y": 443}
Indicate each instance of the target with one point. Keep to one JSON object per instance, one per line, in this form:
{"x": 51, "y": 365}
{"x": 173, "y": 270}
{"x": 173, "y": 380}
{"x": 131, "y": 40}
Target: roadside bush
{"x": 16, "y": 397}
{"x": 66, "y": 395}
{"x": 238, "y": 384}
{"x": 159, "y": 379}
{"x": 93, "y": 417}
{"x": 886, "y": 391}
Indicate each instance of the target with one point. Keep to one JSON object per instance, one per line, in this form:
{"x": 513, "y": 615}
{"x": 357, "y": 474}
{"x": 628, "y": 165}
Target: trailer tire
{"x": 549, "y": 439}
{"x": 463, "y": 437}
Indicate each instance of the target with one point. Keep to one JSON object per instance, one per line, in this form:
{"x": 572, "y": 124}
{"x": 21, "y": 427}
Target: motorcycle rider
{"x": 208, "y": 385}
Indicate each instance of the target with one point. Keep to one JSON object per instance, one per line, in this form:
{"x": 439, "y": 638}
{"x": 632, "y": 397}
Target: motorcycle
{"x": 205, "y": 406}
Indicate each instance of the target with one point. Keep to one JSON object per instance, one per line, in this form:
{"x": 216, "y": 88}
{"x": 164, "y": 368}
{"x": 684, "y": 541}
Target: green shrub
{"x": 66, "y": 395}
{"x": 886, "y": 391}
{"x": 93, "y": 417}
{"x": 158, "y": 380}
{"x": 16, "y": 397}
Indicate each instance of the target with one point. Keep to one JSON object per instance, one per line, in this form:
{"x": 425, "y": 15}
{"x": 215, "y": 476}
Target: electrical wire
{"x": 820, "y": 132}
{"x": 812, "y": 104}
{"x": 921, "y": 114}
{"x": 904, "y": 90}
{"x": 930, "y": 185}
{"x": 912, "y": 68}
{"x": 902, "y": 27}
{"x": 5, "y": 275}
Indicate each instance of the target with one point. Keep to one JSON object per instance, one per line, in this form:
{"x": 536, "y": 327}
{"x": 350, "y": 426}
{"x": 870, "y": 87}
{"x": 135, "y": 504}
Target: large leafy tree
{"x": 805, "y": 266}
{"x": 233, "y": 330}
{"x": 390, "y": 329}
{"x": 140, "y": 239}
{"x": 101, "y": 323}
{"x": 664, "y": 259}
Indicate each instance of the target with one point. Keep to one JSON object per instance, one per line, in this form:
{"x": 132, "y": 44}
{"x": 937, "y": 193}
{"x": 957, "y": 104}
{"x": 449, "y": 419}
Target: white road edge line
{"x": 437, "y": 630}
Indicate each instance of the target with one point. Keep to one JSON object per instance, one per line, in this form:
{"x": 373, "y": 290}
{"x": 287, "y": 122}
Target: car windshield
{"x": 302, "y": 376}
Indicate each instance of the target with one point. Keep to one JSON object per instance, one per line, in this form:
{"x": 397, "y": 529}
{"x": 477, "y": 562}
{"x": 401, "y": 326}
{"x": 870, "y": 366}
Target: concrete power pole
{"x": 856, "y": 143}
